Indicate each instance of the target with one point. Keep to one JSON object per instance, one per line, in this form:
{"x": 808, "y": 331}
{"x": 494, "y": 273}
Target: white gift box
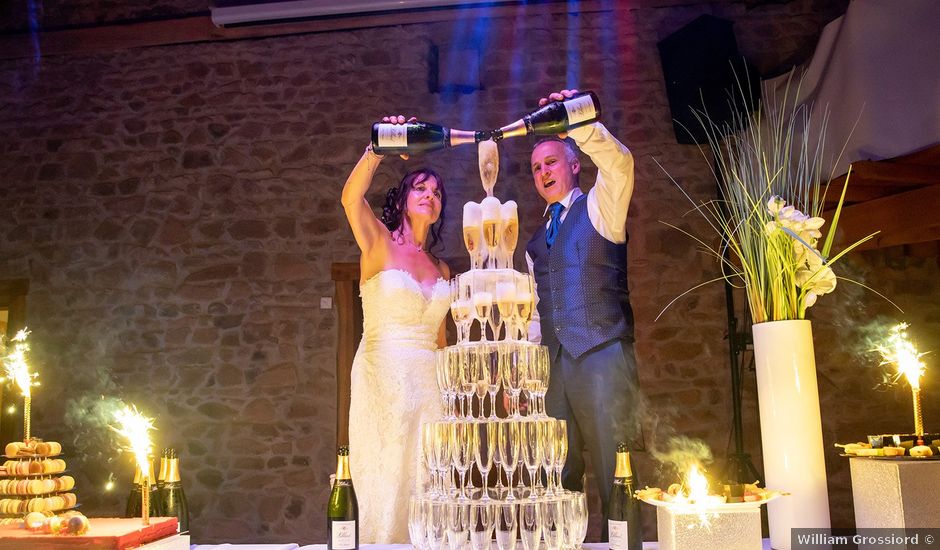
{"x": 895, "y": 493}
{"x": 731, "y": 528}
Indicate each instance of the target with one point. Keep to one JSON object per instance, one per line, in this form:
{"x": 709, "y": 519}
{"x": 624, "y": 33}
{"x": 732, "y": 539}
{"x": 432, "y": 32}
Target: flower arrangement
{"x": 769, "y": 214}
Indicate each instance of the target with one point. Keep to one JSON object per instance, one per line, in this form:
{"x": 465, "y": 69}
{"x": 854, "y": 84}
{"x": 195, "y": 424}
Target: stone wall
{"x": 176, "y": 211}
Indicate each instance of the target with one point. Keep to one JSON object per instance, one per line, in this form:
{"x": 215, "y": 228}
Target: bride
{"x": 405, "y": 297}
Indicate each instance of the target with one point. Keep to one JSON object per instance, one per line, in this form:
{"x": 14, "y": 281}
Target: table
{"x": 587, "y": 546}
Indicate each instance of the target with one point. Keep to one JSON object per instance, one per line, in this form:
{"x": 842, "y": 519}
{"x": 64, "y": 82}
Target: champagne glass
{"x": 552, "y": 523}
{"x": 509, "y": 451}
{"x": 461, "y": 308}
{"x": 514, "y": 372}
{"x": 531, "y": 383}
{"x": 510, "y": 224}
{"x": 482, "y": 301}
{"x": 530, "y": 524}
{"x": 483, "y": 453}
{"x": 454, "y": 373}
{"x": 494, "y": 376}
{"x": 547, "y": 429}
{"x": 457, "y": 524}
{"x": 507, "y": 526}
{"x": 561, "y": 451}
{"x": 506, "y": 300}
{"x": 468, "y": 378}
{"x": 481, "y": 525}
{"x": 525, "y": 302}
{"x": 451, "y": 379}
{"x": 490, "y": 208}
{"x": 479, "y": 359}
{"x": 473, "y": 233}
{"x": 580, "y": 514}
{"x": 532, "y": 452}
{"x": 461, "y": 444}
{"x": 541, "y": 369}
{"x": 416, "y": 522}
{"x": 436, "y": 525}
{"x": 432, "y": 455}
{"x": 492, "y": 434}
{"x": 574, "y": 511}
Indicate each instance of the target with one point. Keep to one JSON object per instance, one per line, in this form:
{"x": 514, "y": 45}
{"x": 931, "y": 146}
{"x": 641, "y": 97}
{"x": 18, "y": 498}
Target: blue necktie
{"x": 553, "y": 225}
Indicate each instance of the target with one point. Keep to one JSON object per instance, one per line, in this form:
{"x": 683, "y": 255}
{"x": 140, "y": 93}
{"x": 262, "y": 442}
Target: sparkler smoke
{"x": 682, "y": 453}
{"x": 90, "y": 419}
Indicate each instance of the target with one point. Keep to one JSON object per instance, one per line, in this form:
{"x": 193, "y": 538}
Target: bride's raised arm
{"x": 366, "y": 228}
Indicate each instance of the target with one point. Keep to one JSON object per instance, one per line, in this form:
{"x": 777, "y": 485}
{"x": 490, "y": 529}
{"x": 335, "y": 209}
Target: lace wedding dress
{"x": 393, "y": 391}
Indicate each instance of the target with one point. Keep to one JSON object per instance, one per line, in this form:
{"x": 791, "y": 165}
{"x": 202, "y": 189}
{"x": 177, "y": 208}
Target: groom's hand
{"x": 557, "y": 96}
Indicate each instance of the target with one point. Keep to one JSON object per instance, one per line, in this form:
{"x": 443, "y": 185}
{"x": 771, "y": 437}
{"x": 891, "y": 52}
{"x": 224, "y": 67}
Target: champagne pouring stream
{"x": 489, "y": 164}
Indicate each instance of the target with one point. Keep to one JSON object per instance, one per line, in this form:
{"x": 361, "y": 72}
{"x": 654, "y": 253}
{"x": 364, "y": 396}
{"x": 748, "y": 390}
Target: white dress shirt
{"x": 607, "y": 202}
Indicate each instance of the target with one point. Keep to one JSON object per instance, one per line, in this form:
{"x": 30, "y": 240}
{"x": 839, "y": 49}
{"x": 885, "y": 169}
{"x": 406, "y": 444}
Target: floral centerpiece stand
{"x": 769, "y": 222}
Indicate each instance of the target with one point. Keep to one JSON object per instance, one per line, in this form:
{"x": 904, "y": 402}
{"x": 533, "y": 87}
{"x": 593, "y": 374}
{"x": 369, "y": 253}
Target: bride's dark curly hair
{"x": 396, "y": 202}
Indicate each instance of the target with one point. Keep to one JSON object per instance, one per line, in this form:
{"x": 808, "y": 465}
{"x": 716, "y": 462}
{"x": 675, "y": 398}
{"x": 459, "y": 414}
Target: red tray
{"x": 104, "y": 534}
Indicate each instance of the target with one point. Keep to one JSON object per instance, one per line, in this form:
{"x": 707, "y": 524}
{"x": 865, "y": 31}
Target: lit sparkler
{"x": 136, "y": 428}
{"x": 17, "y": 369}
{"x": 900, "y": 352}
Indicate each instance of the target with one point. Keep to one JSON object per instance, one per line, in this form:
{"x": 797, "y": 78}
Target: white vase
{"x": 791, "y": 428}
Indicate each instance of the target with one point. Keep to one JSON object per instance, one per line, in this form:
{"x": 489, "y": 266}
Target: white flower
{"x": 775, "y": 204}
{"x": 818, "y": 280}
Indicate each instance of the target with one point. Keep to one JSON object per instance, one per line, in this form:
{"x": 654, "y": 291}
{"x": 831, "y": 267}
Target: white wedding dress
{"x": 393, "y": 391}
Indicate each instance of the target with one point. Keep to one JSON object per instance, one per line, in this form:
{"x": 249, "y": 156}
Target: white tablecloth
{"x": 587, "y": 546}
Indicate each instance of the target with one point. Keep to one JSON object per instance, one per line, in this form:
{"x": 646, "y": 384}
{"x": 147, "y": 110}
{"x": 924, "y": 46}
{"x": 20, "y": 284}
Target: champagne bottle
{"x": 134, "y": 504}
{"x": 419, "y": 137}
{"x": 555, "y": 117}
{"x": 623, "y": 518}
{"x": 172, "y": 497}
{"x": 342, "y": 514}
{"x": 164, "y": 463}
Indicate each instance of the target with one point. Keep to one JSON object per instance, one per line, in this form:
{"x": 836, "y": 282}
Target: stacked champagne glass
{"x": 494, "y": 475}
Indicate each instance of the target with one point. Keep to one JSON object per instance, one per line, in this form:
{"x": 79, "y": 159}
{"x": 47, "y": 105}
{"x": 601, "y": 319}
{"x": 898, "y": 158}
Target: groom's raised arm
{"x": 609, "y": 199}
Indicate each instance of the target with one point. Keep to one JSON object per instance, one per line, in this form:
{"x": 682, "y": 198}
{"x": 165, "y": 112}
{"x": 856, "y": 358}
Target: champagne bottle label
{"x": 344, "y": 535}
{"x": 617, "y": 532}
{"x": 392, "y": 135}
{"x": 580, "y": 109}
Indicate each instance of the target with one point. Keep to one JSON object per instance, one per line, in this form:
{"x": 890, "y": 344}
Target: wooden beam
{"x": 199, "y": 28}
{"x": 880, "y": 173}
{"x": 904, "y": 218}
{"x": 856, "y": 193}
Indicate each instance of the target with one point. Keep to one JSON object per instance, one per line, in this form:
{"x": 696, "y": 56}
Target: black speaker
{"x": 705, "y": 72}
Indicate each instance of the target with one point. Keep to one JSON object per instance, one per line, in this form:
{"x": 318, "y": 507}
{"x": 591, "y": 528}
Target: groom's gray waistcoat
{"x": 582, "y": 285}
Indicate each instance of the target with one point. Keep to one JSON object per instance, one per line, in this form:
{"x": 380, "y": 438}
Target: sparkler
{"x": 900, "y": 352}
{"x": 18, "y": 370}
{"x": 136, "y": 428}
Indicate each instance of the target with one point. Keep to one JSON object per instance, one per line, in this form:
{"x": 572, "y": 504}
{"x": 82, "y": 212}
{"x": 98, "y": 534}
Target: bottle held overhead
{"x": 419, "y": 137}
{"x": 555, "y": 118}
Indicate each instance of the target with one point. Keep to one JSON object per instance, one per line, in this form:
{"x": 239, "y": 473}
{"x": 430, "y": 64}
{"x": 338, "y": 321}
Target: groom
{"x": 579, "y": 261}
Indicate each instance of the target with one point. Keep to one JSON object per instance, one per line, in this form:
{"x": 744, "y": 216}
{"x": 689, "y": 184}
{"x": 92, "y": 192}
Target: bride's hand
{"x": 399, "y": 119}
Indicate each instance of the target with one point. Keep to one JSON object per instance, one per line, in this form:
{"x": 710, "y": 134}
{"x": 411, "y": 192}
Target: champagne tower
{"x": 492, "y": 473}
